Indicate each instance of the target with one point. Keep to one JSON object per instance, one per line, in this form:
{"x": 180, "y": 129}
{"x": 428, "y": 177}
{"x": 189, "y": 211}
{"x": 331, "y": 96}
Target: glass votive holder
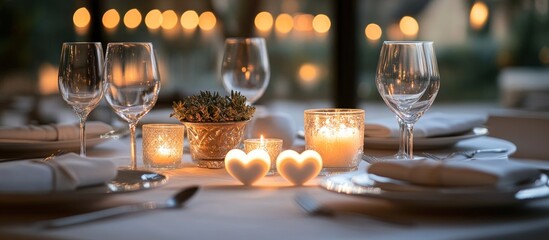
{"x": 273, "y": 146}
{"x": 337, "y": 135}
{"x": 163, "y": 145}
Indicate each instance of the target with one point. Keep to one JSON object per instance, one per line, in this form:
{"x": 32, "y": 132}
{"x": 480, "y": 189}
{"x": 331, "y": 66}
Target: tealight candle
{"x": 272, "y": 146}
{"x": 337, "y": 135}
{"x": 163, "y": 145}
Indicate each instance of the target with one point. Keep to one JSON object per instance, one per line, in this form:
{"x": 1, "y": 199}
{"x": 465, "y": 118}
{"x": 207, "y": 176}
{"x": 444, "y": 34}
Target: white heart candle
{"x": 299, "y": 168}
{"x": 247, "y": 168}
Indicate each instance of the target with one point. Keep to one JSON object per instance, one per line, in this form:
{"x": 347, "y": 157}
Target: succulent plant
{"x": 211, "y": 107}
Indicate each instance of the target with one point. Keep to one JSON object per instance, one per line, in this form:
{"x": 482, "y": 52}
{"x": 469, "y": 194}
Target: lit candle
{"x": 337, "y": 135}
{"x": 247, "y": 168}
{"x": 337, "y": 146}
{"x": 163, "y": 145}
{"x": 272, "y": 146}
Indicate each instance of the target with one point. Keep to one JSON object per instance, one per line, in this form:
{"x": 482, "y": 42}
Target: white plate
{"x": 513, "y": 196}
{"x": 125, "y": 181}
{"x": 424, "y": 143}
{"x": 22, "y": 148}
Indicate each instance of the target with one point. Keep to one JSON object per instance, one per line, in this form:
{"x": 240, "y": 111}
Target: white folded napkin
{"x": 496, "y": 173}
{"x": 430, "y": 125}
{"x": 63, "y": 173}
{"x": 53, "y": 132}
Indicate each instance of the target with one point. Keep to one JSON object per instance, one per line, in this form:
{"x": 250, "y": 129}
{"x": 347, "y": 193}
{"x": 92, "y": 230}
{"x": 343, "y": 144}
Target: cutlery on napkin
{"x": 53, "y": 132}
{"x": 430, "y": 125}
{"x": 495, "y": 173}
{"x": 63, "y": 173}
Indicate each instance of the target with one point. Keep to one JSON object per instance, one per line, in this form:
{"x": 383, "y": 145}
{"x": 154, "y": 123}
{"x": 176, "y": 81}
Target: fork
{"x": 466, "y": 154}
{"x": 314, "y": 208}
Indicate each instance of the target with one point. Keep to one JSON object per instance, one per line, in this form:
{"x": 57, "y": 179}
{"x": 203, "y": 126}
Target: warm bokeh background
{"x": 488, "y": 51}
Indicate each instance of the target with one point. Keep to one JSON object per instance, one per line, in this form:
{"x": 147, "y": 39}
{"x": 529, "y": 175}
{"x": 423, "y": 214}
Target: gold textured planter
{"x": 210, "y": 142}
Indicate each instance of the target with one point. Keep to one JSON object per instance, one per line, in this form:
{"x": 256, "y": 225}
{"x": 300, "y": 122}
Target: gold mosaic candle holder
{"x": 273, "y": 146}
{"x": 163, "y": 145}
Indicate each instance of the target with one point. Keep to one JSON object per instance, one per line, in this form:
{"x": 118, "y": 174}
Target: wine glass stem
{"x": 83, "y": 136}
{"x": 409, "y": 140}
{"x": 401, "y": 152}
{"x": 132, "y": 147}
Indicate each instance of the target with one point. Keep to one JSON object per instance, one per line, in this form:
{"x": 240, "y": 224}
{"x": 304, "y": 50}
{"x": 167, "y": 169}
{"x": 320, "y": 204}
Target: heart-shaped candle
{"x": 247, "y": 168}
{"x": 299, "y": 168}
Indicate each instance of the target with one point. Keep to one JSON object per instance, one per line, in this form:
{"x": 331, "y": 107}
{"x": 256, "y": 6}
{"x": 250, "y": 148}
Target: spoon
{"x": 176, "y": 201}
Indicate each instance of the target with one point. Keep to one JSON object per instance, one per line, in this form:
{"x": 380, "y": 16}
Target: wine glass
{"x": 245, "y": 67}
{"x": 132, "y": 83}
{"x": 80, "y": 80}
{"x": 426, "y": 100}
{"x": 402, "y": 79}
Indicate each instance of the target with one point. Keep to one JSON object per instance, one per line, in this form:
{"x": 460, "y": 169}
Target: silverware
{"x": 175, "y": 201}
{"x": 312, "y": 207}
{"x": 466, "y": 154}
{"x": 369, "y": 159}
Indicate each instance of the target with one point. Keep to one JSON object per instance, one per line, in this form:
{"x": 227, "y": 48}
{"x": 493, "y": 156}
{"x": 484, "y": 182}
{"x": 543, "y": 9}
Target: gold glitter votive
{"x": 273, "y": 146}
{"x": 337, "y": 135}
{"x": 163, "y": 145}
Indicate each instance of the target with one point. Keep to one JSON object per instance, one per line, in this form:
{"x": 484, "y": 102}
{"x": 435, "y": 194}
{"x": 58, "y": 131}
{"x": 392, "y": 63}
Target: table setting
{"x": 251, "y": 174}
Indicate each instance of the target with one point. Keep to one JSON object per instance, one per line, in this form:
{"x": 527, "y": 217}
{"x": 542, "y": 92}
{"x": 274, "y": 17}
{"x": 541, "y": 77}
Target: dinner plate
{"x": 425, "y": 143}
{"x": 124, "y": 182}
{"x": 474, "y": 197}
{"x": 389, "y": 184}
{"x": 26, "y": 148}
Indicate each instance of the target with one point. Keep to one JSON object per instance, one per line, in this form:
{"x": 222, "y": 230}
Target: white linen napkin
{"x": 430, "y": 125}
{"x": 496, "y": 173}
{"x": 53, "y": 132}
{"x": 63, "y": 173}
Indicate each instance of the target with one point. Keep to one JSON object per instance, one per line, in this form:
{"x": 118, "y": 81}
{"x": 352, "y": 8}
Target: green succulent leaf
{"x": 211, "y": 107}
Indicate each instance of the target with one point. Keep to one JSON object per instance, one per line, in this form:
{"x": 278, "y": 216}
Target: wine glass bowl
{"x": 132, "y": 83}
{"x": 245, "y": 67}
{"x": 80, "y": 80}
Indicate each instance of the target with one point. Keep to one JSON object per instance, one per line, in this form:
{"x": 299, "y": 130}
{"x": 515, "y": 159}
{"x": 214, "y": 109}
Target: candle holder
{"x": 273, "y": 146}
{"x": 163, "y": 145}
{"x": 337, "y": 135}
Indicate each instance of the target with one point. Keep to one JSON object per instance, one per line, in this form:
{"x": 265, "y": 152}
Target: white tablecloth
{"x": 224, "y": 209}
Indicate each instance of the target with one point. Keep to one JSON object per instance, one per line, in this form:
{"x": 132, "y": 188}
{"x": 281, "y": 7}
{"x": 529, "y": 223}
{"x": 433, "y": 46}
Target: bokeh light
{"x": 153, "y": 20}
{"x": 207, "y": 21}
{"x": 409, "y": 26}
{"x": 284, "y": 23}
{"x": 321, "y": 23}
{"x": 303, "y": 22}
{"x": 132, "y": 18}
{"x": 169, "y": 19}
{"x": 373, "y": 32}
{"x": 263, "y": 21}
{"x": 189, "y": 20}
{"x": 479, "y": 15}
{"x": 111, "y": 18}
{"x": 308, "y": 73}
{"x": 47, "y": 79}
{"x": 81, "y": 17}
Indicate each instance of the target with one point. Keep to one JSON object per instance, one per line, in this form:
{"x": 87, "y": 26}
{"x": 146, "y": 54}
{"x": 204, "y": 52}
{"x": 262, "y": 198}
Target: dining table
{"x": 224, "y": 208}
